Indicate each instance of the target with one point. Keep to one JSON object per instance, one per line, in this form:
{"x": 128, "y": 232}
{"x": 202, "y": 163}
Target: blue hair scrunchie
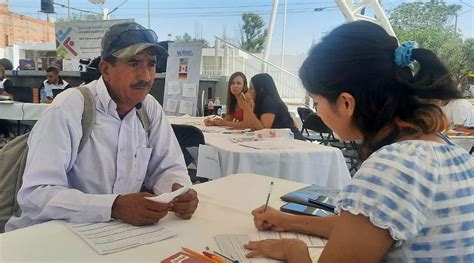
{"x": 402, "y": 55}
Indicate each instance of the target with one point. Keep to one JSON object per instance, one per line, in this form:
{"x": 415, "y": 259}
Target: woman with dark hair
{"x": 234, "y": 117}
{"x": 413, "y": 197}
{"x": 266, "y": 109}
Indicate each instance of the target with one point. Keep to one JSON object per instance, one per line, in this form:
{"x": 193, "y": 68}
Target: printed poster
{"x": 182, "y": 79}
{"x": 82, "y": 39}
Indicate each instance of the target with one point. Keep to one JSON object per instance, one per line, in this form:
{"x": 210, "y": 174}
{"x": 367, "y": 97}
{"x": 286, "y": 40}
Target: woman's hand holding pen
{"x": 271, "y": 219}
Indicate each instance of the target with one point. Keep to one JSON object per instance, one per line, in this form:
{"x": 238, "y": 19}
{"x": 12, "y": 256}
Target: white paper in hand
{"x": 168, "y": 197}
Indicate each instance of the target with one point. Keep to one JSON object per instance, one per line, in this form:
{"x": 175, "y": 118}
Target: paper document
{"x": 269, "y": 144}
{"x": 186, "y": 107}
{"x": 114, "y": 236}
{"x": 189, "y": 90}
{"x": 171, "y": 105}
{"x": 168, "y": 197}
{"x": 209, "y": 164}
{"x": 233, "y": 244}
{"x": 174, "y": 88}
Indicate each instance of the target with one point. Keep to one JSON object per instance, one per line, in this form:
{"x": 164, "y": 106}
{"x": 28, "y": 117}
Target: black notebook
{"x": 302, "y": 195}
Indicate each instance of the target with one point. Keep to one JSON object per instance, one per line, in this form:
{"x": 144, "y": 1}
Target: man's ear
{"x": 347, "y": 103}
{"x": 104, "y": 68}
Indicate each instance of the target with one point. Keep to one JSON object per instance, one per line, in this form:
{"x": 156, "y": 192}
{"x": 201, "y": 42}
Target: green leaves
{"x": 252, "y": 32}
{"x": 430, "y": 24}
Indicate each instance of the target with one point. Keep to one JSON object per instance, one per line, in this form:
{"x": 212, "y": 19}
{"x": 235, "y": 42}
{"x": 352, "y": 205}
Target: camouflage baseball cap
{"x": 124, "y": 40}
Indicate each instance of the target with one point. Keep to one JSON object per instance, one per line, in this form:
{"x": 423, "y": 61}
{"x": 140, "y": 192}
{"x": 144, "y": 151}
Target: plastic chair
{"x": 303, "y": 112}
{"x": 189, "y": 137}
{"x": 314, "y": 123}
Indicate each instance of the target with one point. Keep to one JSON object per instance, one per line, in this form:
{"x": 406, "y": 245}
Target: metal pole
{"x": 149, "y": 14}
{"x": 282, "y": 58}
{"x": 268, "y": 40}
{"x": 68, "y": 10}
{"x": 216, "y": 57}
{"x": 455, "y": 23}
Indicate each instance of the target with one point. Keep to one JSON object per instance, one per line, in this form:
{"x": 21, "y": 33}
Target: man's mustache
{"x": 142, "y": 85}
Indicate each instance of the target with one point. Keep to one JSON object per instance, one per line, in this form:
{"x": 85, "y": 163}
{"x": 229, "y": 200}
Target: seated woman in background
{"x": 234, "y": 116}
{"x": 412, "y": 200}
{"x": 266, "y": 109}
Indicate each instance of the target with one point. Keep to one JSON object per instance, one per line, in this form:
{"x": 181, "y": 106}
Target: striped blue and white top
{"x": 423, "y": 193}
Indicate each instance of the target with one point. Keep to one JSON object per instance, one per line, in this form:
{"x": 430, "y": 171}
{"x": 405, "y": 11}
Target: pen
{"x": 224, "y": 256}
{"x": 194, "y": 253}
{"x": 214, "y": 257}
{"x": 268, "y": 196}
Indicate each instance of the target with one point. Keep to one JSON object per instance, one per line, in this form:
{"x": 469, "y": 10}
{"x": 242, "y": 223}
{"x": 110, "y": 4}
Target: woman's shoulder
{"x": 419, "y": 157}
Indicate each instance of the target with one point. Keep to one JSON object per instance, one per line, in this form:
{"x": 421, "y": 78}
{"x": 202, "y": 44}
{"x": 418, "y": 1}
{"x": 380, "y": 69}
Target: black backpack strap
{"x": 88, "y": 116}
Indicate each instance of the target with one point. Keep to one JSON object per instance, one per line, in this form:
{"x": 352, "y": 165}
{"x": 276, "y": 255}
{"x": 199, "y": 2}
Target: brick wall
{"x": 17, "y": 29}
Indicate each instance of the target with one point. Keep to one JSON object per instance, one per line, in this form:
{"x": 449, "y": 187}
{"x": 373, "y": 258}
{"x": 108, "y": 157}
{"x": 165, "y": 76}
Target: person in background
{"x": 263, "y": 107}
{"x": 121, "y": 163}
{"x": 6, "y": 86}
{"x": 52, "y": 86}
{"x": 412, "y": 199}
{"x": 460, "y": 112}
{"x": 234, "y": 117}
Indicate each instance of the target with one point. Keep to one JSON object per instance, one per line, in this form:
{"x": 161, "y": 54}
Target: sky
{"x": 209, "y": 18}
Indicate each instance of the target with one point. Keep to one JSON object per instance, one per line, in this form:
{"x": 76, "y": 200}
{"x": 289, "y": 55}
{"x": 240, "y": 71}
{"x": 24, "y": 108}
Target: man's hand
{"x": 136, "y": 210}
{"x": 185, "y": 204}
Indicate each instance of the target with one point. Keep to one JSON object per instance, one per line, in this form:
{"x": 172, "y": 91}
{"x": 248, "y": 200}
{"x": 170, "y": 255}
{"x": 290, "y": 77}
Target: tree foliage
{"x": 187, "y": 38}
{"x": 430, "y": 25}
{"x": 81, "y": 17}
{"x": 252, "y": 32}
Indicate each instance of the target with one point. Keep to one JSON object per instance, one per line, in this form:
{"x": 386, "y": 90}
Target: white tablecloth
{"x": 296, "y": 160}
{"x": 466, "y": 142}
{"x": 21, "y": 111}
{"x": 224, "y": 208}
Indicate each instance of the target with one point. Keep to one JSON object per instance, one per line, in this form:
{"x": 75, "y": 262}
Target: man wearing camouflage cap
{"x": 103, "y": 181}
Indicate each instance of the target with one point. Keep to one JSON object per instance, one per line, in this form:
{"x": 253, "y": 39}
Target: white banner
{"x": 81, "y": 39}
{"x": 182, "y": 79}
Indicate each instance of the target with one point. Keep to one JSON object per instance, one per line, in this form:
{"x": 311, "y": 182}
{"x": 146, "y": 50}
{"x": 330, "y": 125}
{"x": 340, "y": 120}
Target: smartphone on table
{"x": 324, "y": 202}
{"x": 298, "y": 209}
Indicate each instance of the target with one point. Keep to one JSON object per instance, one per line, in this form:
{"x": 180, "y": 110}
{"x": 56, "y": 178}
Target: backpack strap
{"x": 144, "y": 119}
{"x": 88, "y": 116}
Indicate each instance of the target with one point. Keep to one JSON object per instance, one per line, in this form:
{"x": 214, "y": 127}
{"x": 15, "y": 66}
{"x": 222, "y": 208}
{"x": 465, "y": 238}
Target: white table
{"x": 466, "y": 142}
{"x": 224, "y": 208}
{"x": 298, "y": 161}
{"x": 21, "y": 111}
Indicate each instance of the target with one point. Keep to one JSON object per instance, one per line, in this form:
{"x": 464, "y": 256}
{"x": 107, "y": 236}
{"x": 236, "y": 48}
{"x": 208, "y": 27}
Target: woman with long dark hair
{"x": 234, "y": 116}
{"x": 413, "y": 197}
{"x": 266, "y": 109}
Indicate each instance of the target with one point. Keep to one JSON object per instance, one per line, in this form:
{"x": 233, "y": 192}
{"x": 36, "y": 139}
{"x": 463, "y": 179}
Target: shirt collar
{"x": 60, "y": 81}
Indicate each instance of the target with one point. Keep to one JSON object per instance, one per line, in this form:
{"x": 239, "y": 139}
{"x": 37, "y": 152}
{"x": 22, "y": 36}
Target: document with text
{"x": 233, "y": 244}
{"x": 114, "y": 236}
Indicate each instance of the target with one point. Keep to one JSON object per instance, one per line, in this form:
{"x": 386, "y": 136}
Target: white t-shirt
{"x": 459, "y": 111}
